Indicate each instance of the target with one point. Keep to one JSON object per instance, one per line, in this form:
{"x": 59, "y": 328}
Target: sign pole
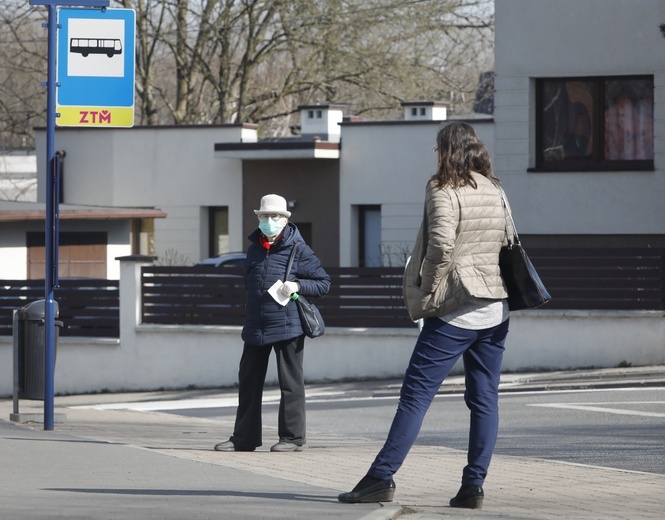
{"x": 52, "y": 203}
{"x": 51, "y": 260}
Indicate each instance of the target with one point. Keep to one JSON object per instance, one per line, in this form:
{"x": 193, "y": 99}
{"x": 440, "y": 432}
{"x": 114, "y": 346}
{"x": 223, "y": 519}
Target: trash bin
{"x": 32, "y": 348}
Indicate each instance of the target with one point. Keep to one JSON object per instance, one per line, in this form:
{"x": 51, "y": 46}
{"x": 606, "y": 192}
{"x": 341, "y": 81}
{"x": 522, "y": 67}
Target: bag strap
{"x": 507, "y": 217}
{"x": 425, "y": 238}
{"x": 290, "y": 263}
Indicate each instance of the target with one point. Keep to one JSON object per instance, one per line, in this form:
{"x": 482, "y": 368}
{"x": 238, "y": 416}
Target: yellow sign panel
{"x": 95, "y": 116}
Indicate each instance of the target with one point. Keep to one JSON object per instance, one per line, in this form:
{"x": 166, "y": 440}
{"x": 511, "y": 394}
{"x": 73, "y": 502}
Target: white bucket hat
{"x": 273, "y": 204}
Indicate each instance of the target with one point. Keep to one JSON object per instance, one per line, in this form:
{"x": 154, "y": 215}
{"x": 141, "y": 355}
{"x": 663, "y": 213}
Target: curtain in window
{"x": 567, "y": 122}
{"x": 628, "y": 120}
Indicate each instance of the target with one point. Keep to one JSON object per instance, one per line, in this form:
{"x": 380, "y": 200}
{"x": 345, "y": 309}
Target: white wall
{"x": 150, "y": 357}
{"x": 14, "y": 254}
{"x": 154, "y": 357}
{"x": 18, "y": 177}
{"x": 170, "y": 168}
{"x": 542, "y": 38}
{"x": 389, "y": 165}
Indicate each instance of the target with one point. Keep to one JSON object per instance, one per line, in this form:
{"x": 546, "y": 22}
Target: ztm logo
{"x": 93, "y": 117}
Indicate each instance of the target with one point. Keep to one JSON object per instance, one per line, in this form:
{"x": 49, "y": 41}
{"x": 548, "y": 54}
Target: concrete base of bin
{"x": 31, "y": 417}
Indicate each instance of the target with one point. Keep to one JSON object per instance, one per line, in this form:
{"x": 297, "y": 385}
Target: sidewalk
{"x": 127, "y": 464}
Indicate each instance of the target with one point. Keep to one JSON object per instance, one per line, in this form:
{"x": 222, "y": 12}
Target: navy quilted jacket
{"x": 266, "y": 321}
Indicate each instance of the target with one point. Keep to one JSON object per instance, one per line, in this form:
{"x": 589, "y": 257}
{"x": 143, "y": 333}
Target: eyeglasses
{"x": 273, "y": 216}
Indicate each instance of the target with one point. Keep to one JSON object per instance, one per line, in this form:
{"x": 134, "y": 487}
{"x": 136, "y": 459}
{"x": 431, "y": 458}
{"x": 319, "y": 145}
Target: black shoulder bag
{"x": 310, "y": 317}
{"x": 525, "y": 289}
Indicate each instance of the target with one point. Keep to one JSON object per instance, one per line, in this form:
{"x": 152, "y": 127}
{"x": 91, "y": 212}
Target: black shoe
{"x": 370, "y": 489}
{"x": 470, "y": 497}
{"x": 229, "y": 446}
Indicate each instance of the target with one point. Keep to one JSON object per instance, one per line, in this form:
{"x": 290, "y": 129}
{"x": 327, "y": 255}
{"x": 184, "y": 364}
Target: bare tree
{"x": 149, "y": 22}
{"x": 221, "y": 61}
{"x": 23, "y": 57}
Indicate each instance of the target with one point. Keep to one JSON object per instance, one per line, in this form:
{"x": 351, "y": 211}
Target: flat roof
{"x": 287, "y": 149}
{"x": 11, "y": 211}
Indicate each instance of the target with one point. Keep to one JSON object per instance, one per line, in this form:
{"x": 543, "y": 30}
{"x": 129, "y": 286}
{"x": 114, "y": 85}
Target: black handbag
{"x": 525, "y": 288}
{"x": 310, "y": 317}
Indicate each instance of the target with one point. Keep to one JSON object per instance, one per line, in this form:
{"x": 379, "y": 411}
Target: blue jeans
{"x": 438, "y": 347}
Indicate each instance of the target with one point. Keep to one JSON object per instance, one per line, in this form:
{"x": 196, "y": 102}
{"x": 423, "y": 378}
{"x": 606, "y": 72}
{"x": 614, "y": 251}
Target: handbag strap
{"x": 507, "y": 216}
{"x": 290, "y": 263}
{"x": 425, "y": 236}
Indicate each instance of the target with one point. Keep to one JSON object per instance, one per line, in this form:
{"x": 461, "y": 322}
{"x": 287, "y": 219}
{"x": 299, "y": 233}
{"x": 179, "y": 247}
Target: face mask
{"x": 271, "y": 227}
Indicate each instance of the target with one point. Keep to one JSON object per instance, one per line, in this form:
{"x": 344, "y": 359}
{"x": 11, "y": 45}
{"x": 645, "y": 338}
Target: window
{"x": 369, "y": 227}
{"x": 595, "y": 123}
{"x": 218, "y": 229}
{"x": 143, "y": 236}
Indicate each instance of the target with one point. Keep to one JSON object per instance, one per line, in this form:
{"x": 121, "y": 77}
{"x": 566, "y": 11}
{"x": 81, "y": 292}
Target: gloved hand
{"x": 289, "y": 288}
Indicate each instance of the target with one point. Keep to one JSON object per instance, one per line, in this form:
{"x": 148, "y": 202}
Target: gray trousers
{"x": 252, "y": 376}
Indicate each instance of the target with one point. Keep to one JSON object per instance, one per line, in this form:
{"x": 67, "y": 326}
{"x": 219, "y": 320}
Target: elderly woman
{"x": 274, "y": 325}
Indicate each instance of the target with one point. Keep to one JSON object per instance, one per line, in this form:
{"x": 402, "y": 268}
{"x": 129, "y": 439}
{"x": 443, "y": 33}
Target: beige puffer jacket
{"x": 456, "y": 254}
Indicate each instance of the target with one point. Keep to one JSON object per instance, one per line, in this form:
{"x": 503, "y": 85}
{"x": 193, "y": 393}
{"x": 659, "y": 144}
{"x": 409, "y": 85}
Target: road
{"x": 619, "y": 428}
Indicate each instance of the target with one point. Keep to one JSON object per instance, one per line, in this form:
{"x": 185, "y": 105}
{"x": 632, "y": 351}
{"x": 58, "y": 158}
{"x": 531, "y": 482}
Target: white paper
{"x": 278, "y": 296}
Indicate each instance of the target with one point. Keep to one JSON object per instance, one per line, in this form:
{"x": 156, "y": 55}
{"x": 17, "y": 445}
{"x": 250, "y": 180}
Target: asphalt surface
{"x": 106, "y": 461}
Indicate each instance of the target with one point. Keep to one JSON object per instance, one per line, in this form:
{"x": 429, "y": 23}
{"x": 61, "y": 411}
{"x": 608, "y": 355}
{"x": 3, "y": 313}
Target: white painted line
{"x": 150, "y": 406}
{"x": 328, "y": 396}
{"x": 184, "y": 404}
{"x": 618, "y": 411}
{"x": 519, "y": 393}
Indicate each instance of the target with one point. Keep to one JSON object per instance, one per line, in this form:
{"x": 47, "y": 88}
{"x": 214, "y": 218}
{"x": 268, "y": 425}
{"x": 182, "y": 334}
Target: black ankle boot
{"x": 370, "y": 489}
{"x": 469, "y": 497}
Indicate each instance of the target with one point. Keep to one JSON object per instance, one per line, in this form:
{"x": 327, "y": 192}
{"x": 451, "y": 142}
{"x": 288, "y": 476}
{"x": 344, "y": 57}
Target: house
{"x": 208, "y": 179}
{"x": 579, "y": 121}
{"x": 90, "y": 238}
{"x": 564, "y": 107}
{"x": 142, "y": 168}
{"x": 304, "y": 169}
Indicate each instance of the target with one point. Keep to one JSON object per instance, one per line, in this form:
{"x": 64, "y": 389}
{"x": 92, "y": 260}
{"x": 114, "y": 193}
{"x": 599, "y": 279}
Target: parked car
{"x": 226, "y": 260}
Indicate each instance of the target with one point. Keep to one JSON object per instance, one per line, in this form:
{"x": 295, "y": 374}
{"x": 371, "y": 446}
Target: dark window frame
{"x": 598, "y": 162}
{"x": 363, "y": 209}
{"x": 213, "y": 211}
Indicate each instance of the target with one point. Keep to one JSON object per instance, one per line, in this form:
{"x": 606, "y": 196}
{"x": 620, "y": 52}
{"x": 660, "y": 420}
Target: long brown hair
{"x": 460, "y": 152}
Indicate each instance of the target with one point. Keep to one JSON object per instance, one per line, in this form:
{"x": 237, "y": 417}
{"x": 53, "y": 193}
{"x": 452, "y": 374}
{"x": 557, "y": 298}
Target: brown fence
{"x": 88, "y": 307}
{"x": 585, "y": 279}
{"x": 604, "y": 279}
{"x": 200, "y": 295}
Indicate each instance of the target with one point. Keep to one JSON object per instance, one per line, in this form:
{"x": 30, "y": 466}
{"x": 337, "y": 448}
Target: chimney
{"x": 322, "y": 121}
{"x": 425, "y": 110}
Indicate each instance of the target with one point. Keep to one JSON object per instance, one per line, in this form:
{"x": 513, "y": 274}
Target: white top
{"x": 478, "y": 313}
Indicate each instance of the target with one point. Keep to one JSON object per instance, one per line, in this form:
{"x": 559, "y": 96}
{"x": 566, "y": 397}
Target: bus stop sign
{"x": 95, "y": 67}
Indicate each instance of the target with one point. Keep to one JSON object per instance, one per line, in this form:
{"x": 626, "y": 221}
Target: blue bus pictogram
{"x": 85, "y": 46}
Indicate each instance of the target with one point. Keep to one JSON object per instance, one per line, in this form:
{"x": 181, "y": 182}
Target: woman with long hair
{"x": 453, "y": 281}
